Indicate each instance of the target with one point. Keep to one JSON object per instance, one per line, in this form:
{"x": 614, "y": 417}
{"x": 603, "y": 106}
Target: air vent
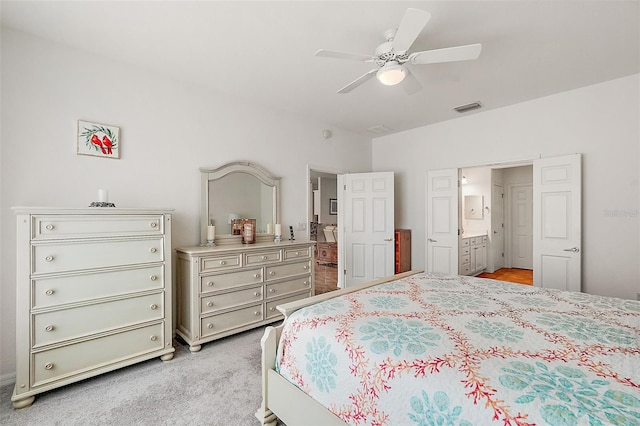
{"x": 380, "y": 129}
{"x": 468, "y": 107}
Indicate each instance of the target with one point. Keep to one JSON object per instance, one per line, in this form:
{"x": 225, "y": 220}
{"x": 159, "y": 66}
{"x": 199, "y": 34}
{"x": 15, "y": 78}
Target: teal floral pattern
{"x": 586, "y": 329}
{"x": 453, "y": 301}
{"x": 328, "y": 306}
{"x": 436, "y": 411}
{"x": 398, "y": 335}
{"x": 321, "y": 364}
{"x": 388, "y": 302}
{"x": 495, "y": 330}
{"x": 568, "y": 395}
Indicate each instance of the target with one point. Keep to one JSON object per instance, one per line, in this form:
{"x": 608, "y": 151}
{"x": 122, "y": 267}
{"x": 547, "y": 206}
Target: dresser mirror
{"x": 239, "y": 190}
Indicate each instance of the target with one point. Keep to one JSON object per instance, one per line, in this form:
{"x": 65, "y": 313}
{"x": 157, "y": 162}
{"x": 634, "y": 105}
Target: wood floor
{"x": 514, "y": 275}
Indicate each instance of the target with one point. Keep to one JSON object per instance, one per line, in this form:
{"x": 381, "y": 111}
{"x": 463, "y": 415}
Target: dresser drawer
{"x": 297, "y": 253}
{"x": 220, "y": 262}
{"x": 466, "y": 242}
{"x": 466, "y": 259}
{"x": 283, "y": 271}
{"x": 465, "y": 250}
{"x": 272, "y": 311}
{"x": 230, "y": 320}
{"x": 281, "y": 289}
{"x": 56, "y": 364}
{"x": 79, "y": 255}
{"x": 65, "y": 324}
{"x": 230, "y": 300}
{"x": 59, "y": 290}
{"x": 465, "y": 269}
{"x": 78, "y": 226}
{"x": 232, "y": 279}
{"x": 260, "y": 258}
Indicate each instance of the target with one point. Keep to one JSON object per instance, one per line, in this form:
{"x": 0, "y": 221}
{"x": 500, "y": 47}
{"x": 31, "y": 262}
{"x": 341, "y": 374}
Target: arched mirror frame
{"x": 212, "y": 174}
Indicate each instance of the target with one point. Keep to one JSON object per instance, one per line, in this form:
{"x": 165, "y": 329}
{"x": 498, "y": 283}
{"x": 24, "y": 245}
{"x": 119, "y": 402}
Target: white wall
{"x": 168, "y": 129}
{"x": 601, "y": 122}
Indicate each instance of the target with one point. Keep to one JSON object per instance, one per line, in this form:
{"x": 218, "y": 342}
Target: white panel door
{"x": 557, "y": 222}
{"x": 521, "y": 198}
{"x": 497, "y": 227}
{"x": 443, "y": 223}
{"x": 368, "y": 217}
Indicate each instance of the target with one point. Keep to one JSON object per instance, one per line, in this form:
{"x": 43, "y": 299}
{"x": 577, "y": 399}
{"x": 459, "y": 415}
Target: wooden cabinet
{"x": 473, "y": 255}
{"x": 403, "y": 250}
{"x": 93, "y": 294}
{"x": 231, "y": 288}
{"x": 327, "y": 253}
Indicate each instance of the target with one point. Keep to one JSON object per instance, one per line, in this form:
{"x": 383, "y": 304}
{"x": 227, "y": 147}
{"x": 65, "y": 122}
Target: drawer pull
{"x": 153, "y": 307}
{"x": 272, "y": 290}
{"x": 209, "y": 325}
{"x": 48, "y": 292}
{"x": 49, "y": 258}
{"x": 153, "y": 277}
{"x": 297, "y": 253}
{"x": 306, "y": 283}
{"x": 305, "y": 267}
{"x": 272, "y": 273}
{"x": 153, "y": 224}
{"x": 223, "y": 262}
{"x": 258, "y": 313}
{"x": 49, "y": 227}
{"x": 257, "y": 293}
{"x": 209, "y": 304}
{"x": 256, "y": 276}
{"x": 265, "y": 257}
{"x": 153, "y": 249}
{"x": 210, "y": 283}
{"x": 48, "y": 366}
{"x": 153, "y": 338}
{"x": 48, "y": 328}
{"x": 272, "y": 309}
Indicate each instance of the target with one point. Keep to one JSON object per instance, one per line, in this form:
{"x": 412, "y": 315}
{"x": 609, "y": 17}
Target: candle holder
{"x": 277, "y": 238}
{"x": 211, "y": 243}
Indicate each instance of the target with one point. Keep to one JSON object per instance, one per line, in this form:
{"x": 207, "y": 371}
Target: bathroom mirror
{"x": 240, "y": 190}
{"x": 473, "y": 208}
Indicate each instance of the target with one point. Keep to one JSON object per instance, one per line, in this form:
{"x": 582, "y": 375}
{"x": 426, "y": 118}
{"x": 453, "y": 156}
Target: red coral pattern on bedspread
{"x": 443, "y": 350}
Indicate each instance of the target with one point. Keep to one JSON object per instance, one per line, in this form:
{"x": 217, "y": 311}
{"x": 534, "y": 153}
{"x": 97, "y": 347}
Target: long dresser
{"x": 93, "y": 294}
{"x": 231, "y": 288}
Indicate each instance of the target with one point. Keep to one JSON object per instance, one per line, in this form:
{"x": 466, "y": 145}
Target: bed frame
{"x": 282, "y": 399}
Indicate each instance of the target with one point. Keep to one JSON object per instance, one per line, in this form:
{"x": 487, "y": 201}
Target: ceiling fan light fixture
{"x": 391, "y": 73}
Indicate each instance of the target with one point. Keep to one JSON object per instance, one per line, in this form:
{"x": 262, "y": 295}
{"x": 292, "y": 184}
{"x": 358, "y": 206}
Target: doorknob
{"x": 573, "y": 249}
{"x": 431, "y": 240}
{"x": 388, "y": 239}
{"x": 495, "y": 232}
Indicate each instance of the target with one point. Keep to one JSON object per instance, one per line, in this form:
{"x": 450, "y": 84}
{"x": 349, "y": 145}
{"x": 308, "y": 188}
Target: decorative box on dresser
{"x": 93, "y": 294}
{"x": 231, "y": 288}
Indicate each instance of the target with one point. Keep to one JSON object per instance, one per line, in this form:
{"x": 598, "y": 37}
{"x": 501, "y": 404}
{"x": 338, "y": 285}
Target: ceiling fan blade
{"x": 448, "y": 54}
{"x": 344, "y": 55}
{"x": 410, "y": 84}
{"x": 357, "y": 82}
{"x": 411, "y": 26}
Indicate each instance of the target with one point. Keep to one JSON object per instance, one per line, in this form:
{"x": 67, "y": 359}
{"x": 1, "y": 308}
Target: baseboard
{"x": 7, "y": 379}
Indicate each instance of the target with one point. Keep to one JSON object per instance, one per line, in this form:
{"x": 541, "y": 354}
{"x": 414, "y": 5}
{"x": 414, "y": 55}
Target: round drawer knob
{"x": 297, "y": 253}
{"x": 272, "y": 290}
{"x": 258, "y": 313}
{"x": 153, "y": 338}
{"x": 256, "y": 276}
{"x": 49, "y": 227}
{"x": 306, "y": 283}
{"x": 264, "y": 257}
{"x": 48, "y": 292}
{"x": 153, "y": 224}
{"x": 48, "y": 366}
{"x": 49, "y": 258}
{"x": 153, "y": 277}
{"x": 210, "y": 283}
{"x": 257, "y": 293}
{"x": 153, "y": 306}
{"x": 209, "y": 304}
{"x": 153, "y": 249}
{"x": 272, "y": 309}
{"x": 48, "y": 328}
{"x": 305, "y": 267}
{"x": 272, "y": 273}
{"x": 223, "y": 262}
{"x": 209, "y": 325}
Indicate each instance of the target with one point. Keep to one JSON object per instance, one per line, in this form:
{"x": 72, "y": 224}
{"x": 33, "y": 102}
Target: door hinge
{"x": 344, "y": 272}
{"x": 345, "y": 187}
{"x": 502, "y": 254}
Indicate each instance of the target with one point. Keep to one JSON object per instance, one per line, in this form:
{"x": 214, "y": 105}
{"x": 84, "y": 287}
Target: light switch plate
{"x": 301, "y": 226}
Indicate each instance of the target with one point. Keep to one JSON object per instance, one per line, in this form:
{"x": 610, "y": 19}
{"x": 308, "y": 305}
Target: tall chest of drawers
{"x": 93, "y": 294}
{"x": 228, "y": 289}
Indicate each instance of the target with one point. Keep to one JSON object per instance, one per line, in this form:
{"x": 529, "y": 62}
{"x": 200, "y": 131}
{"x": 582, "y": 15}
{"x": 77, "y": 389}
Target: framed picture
{"x": 333, "y": 206}
{"x": 100, "y": 140}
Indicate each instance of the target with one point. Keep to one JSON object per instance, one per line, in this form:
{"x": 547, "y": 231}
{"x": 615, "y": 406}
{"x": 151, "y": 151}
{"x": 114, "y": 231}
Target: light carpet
{"x": 220, "y": 385}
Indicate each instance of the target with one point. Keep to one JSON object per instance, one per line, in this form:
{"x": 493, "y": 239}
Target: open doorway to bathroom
{"x": 323, "y": 187}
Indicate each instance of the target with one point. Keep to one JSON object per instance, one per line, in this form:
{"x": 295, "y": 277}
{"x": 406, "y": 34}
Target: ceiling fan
{"x": 392, "y": 56}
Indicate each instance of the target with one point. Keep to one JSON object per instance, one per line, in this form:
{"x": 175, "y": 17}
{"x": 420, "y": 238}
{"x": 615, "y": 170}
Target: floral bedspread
{"x": 443, "y": 350}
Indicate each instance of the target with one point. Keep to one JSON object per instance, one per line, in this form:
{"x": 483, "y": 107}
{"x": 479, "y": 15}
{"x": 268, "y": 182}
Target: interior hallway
{"x": 514, "y": 275}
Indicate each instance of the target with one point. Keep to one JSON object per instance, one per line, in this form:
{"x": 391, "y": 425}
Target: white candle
{"x": 103, "y": 195}
{"x": 269, "y": 228}
{"x": 278, "y": 229}
{"x": 211, "y": 232}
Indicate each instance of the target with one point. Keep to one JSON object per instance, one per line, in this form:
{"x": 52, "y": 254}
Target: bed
{"x": 422, "y": 349}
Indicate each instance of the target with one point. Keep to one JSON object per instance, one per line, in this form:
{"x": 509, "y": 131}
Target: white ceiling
{"x": 263, "y": 51}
